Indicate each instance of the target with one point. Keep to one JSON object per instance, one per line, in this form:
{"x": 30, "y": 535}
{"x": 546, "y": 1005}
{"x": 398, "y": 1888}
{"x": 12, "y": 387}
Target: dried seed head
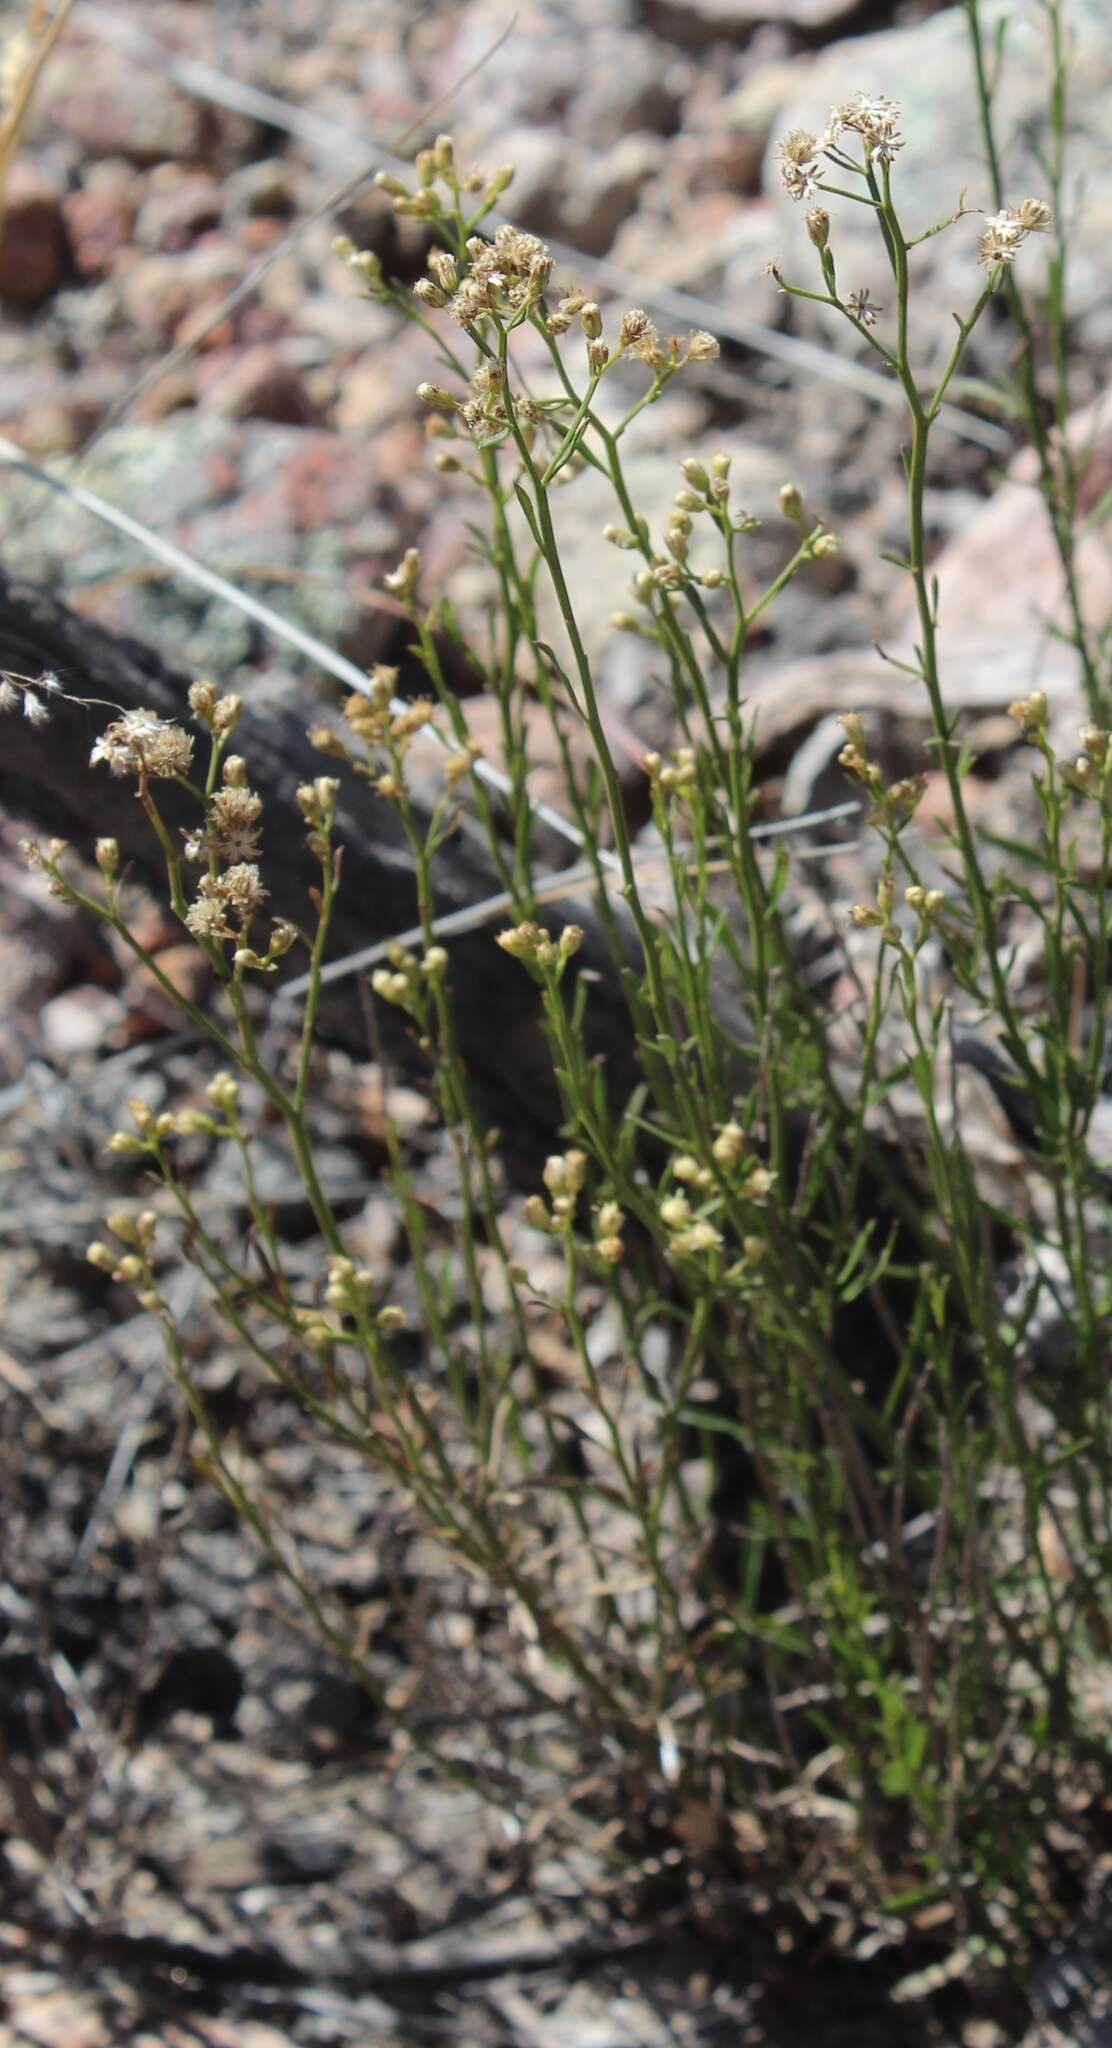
{"x": 1034, "y": 216}
{"x": 634, "y": 326}
{"x": 798, "y": 156}
{"x": 141, "y": 743}
{"x": 860, "y": 307}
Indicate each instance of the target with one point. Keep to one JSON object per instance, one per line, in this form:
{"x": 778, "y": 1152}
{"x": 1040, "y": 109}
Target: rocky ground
{"x": 180, "y": 1764}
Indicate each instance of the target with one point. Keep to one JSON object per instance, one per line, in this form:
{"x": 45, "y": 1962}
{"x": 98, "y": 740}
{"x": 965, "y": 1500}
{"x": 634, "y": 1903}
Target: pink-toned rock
{"x": 32, "y": 238}
{"x": 149, "y": 1007}
{"x": 324, "y": 484}
{"x": 400, "y": 452}
{"x": 260, "y": 233}
{"x": 180, "y": 206}
{"x": 1002, "y": 572}
{"x": 261, "y": 385}
{"x": 171, "y": 296}
{"x": 114, "y": 106}
{"x": 202, "y": 331}
{"x": 99, "y": 220}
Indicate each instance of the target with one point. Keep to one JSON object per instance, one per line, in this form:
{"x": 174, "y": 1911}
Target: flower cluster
{"x": 1030, "y": 713}
{"x": 143, "y": 744}
{"x": 400, "y": 983}
{"x": 231, "y": 829}
{"x": 437, "y": 166}
{"x": 873, "y": 118}
{"x": 870, "y": 116}
{"x": 688, "y": 1233}
{"x": 47, "y": 863}
{"x": 893, "y": 804}
{"x": 384, "y": 726}
{"x": 531, "y": 944}
{"x": 237, "y": 893}
{"x": 133, "y": 1264}
{"x": 609, "y": 1222}
{"x": 1005, "y": 232}
{"x": 672, "y": 778}
{"x": 503, "y": 276}
{"x": 638, "y": 337}
{"x": 564, "y": 1176}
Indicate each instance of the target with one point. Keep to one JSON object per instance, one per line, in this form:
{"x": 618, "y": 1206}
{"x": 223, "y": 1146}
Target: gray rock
{"x": 294, "y": 514}
{"x": 927, "y": 69}
{"x": 691, "y": 21}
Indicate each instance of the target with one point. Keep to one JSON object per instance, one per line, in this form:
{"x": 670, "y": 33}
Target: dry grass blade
{"x": 455, "y": 922}
{"x": 37, "y": 38}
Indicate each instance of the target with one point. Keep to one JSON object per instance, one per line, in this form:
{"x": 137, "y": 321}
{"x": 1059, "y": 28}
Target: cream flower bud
{"x": 226, "y": 713}
{"x": 727, "y": 1147}
{"x": 791, "y": 502}
{"x": 194, "y": 1123}
{"x": 223, "y": 1093}
{"x": 108, "y": 857}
